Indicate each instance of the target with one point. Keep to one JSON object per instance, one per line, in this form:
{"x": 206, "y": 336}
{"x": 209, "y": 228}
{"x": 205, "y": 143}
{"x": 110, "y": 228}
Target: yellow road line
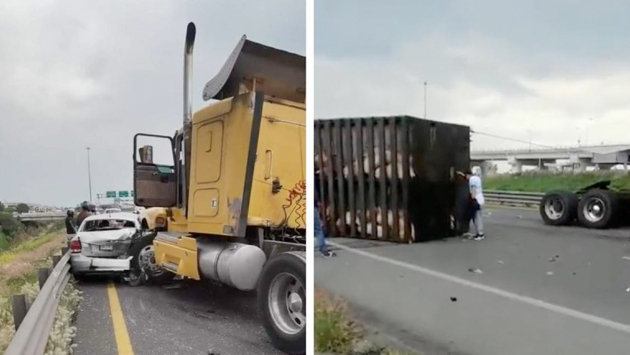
{"x": 123, "y": 342}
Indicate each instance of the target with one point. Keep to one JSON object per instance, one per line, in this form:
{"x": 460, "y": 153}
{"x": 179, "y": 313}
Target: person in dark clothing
{"x": 71, "y": 229}
{"x": 85, "y": 213}
{"x": 318, "y": 229}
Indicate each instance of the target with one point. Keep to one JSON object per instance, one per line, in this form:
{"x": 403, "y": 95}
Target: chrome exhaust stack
{"x": 191, "y": 32}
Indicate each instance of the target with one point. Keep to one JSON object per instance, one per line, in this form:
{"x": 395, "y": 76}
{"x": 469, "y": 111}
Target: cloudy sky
{"x": 553, "y": 72}
{"x": 93, "y": 73}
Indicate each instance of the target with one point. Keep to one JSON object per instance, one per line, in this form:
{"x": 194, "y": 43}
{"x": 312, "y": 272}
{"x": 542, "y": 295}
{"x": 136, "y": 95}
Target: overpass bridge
{"x": 578, "y": 158}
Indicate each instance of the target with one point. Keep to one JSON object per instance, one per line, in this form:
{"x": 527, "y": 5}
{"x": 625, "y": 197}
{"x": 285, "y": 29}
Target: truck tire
{"x": 282, "y": 301}
{"x": 598, "y": 209}
{"x": 143, "y": 253}
{"x": 558, "y": 208}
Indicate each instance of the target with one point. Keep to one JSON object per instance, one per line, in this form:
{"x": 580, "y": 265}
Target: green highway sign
{"x": 110, "y": 194}
{"x": 123, "y": 193}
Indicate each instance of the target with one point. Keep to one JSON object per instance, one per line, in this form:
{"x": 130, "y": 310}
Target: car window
{"x": 106, "y": 224}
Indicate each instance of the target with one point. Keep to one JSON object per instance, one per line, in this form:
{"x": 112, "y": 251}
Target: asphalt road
{"x": 526, "y": 289}
{"x": 197, "y": 319}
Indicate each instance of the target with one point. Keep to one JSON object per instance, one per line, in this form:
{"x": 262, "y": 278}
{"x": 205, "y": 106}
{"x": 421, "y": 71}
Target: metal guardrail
{"x": 41, "y": 216}
{"x": 33, "y": 324}
{"x": 514, "y": 198}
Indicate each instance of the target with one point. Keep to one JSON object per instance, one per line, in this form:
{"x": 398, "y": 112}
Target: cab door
{"x": 154, "y": 173}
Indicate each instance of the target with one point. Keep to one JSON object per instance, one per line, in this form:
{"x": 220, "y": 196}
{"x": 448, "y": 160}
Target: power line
{"x": 513, "y": 139}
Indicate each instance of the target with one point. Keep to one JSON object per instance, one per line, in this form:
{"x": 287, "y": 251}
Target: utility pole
{"x": 425, "y": 99}
{"x": 89, "y": 173}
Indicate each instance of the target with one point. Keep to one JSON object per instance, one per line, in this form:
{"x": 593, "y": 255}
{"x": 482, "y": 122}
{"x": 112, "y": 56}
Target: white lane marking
{"x": 528, "y": 300}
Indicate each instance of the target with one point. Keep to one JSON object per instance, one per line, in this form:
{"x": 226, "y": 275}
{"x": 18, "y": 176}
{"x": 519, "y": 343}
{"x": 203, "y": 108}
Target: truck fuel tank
{"x": 235, "y": 264}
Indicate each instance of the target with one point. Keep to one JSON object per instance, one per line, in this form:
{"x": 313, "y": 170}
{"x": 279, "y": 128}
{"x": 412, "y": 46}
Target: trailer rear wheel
{"x": 598, "y": 209}
{"x": 558, "y": 208}
{"x": 282, "y": 301}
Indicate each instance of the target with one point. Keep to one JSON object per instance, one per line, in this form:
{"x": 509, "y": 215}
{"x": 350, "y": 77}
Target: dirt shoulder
{"x": 19, "y": 265}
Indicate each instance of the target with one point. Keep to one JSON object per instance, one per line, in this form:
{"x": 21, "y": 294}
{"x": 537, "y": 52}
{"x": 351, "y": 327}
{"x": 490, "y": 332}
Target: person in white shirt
{"x": 476, "y": 194}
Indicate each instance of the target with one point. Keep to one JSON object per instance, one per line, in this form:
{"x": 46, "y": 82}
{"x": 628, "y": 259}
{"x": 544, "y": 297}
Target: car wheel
{"x": 558, "y": 208}
{"x": 143, "y": 261}
{"x": 282, "y": 301}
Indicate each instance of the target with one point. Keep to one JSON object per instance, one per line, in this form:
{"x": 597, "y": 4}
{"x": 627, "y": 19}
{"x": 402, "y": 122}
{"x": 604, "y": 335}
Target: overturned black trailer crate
{"x": 392, "y": 178}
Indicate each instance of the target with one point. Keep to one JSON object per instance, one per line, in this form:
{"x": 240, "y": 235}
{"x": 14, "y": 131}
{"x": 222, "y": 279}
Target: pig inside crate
{"x": 391, "y": 178}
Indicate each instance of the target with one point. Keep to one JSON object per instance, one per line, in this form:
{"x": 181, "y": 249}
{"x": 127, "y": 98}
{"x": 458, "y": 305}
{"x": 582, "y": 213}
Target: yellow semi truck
{"x": 234, "y": 195}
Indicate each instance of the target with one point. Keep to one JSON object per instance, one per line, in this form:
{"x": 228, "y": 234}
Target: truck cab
{"x": 232, "y": 184}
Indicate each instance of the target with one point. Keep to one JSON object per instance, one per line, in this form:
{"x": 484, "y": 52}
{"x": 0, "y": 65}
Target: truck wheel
{"x": 558, "y": 208}
{"x": 282, "y": 301}
{"x": 598, "y": 209}
{"x": 143, "y": 260}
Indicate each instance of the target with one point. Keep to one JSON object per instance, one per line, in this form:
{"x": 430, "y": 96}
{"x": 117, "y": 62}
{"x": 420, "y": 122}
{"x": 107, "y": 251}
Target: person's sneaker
{"x": 327, "y": 253}
{"x": 467, "y": 235}
{"x": 479, "y": 237}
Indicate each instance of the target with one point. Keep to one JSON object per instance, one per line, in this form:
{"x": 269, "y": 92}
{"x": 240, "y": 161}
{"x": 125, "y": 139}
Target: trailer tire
{"x": 282, "y": 301}
{"x": 558, "y": 208}
{"x": 598, "y": 209}
{"x": 143, "y": 249}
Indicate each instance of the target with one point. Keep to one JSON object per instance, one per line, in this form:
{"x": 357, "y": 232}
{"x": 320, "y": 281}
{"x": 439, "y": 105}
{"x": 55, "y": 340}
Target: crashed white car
{"x": 111, "y": 244}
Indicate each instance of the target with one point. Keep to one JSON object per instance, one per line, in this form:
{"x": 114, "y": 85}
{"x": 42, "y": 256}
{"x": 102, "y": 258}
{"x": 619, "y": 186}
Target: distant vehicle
{"x": 112, "y": 210}
{"x": 153, "y": 218}
{"x": 108, "y": 244}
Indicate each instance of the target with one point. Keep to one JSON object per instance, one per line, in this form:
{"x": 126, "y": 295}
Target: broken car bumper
{"x": 87, "y": 265}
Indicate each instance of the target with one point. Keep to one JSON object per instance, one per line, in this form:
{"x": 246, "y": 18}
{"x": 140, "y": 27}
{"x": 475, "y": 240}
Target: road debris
{"x": 475, "y": 271}
{"x": 137, "y": 280}
{"x": 628, "y": 289}
{"x": 175, "y": 286}
{"x": 553, "y": 258}
{"x": 453, "y": 299}
{"x": 549, "y": 273}
{"x": 500, "y": 262}
{"x": 626, "y": 258}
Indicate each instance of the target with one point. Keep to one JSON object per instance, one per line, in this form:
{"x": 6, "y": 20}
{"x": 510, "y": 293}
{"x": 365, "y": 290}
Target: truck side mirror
{"x": 146, "y": 154}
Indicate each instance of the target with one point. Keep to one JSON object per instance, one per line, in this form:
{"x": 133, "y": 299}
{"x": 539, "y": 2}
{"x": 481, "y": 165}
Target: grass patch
{"x": 543, "y": 182}
{"x": 62, "y": 332}
{"x": 333, "y": 331}
{"x": 25, "y": 247}
{"x": 337, "y": 333}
